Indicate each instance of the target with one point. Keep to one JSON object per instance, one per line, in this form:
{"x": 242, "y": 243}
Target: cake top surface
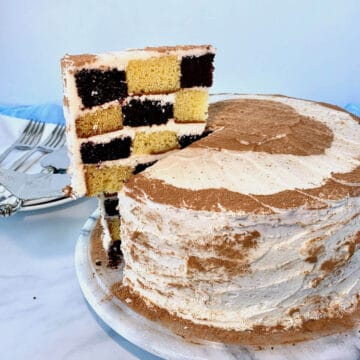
{"x": 119, "y": 57}
{"x": 265, "y": 154}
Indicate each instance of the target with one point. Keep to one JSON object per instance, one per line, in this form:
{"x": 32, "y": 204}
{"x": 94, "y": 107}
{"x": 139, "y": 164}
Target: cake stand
{"x": 96, "y": 281}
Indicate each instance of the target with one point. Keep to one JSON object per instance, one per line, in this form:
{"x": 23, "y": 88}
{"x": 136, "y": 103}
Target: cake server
{"x": 22, "y": 187}
{"x": 56, "y": 162}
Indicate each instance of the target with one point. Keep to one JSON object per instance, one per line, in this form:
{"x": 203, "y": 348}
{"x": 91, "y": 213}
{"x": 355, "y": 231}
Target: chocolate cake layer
{"x": 197, "y": 71}
{"x": 96, "y": 87}
{"x": 110, "y": 206}
{"x": 141, "y": 167}
{"x": 146, "y": 112}
{"x": 115, "y": 254}
{"x": 186, "y": 140}
{"x": 92, "y": 153}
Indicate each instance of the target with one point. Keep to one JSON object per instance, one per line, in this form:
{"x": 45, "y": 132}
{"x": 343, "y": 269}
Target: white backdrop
{"x": 308, "y": 48}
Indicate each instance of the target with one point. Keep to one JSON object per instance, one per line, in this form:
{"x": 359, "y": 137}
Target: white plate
{"x": 96, "y": 282}
{"x": 11, "y": 128}
{"x": 40, "y": 204}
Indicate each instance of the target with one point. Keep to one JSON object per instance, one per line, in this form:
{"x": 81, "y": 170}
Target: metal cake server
{"x": 56, "y": 162}
{"x": 23, "y": 187}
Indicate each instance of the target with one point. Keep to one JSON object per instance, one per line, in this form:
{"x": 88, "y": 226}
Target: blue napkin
{"x": 48, "y": 113}
{"x": 353, "y": 108}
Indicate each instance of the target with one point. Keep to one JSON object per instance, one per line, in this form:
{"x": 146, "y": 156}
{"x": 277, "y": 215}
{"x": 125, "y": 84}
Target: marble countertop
{"x": 43, "y": 314}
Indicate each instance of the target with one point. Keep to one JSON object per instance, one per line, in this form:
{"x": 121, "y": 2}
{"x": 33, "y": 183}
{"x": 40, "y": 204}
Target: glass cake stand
{"x": 96, "y": 281}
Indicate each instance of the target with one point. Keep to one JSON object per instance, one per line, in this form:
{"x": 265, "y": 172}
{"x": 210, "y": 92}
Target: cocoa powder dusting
{"x": 68, "y": 191}
{"x": 290, "y": 199}
{"x": 207, "y": 199}
{"x": 166, "y": 49}
{"x": 233, "y": 246}
{"x": 256, "y": 125}
{"x": 133, "y": 254}
{"x": 78, "y": 60}
{"x": 352, "y": 177}
{"x": 266, "y": 126}
{"x": 345, "y": 251}
{"x": 213, "y": 264}
{"x": 140, "y": 239}
{"x": 314, "y": 249}
{"x": 249, "y": 240}
{"x": 258, "y": 335}
{"x": 97, "y": 251}
{"x": 66, "y": 101}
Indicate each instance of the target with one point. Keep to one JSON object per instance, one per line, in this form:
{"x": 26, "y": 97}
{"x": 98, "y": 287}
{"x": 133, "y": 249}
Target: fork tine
{"x": 60, "y": 141}
{"x": 27, "y": 134}
{"x": 59, "y": 138}
{"x": 38, "y": 133}
{"x": 50, "y": 138}
{"x": 31, "y": 142}
{"x": 27, "y": 128}
{"x": 63, "y": 140}
{"x": 24, "y": 133}
{"x": 55, "y": 137}
{"x": 54, "y": 140}
{"x": 33, "y": 133}
{"x": 59, "y": 135}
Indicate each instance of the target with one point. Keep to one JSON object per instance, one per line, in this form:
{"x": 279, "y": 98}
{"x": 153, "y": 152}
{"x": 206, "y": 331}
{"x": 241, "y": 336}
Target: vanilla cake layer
{"x": 128, "y": 108}
{"x": 253, "y": 229}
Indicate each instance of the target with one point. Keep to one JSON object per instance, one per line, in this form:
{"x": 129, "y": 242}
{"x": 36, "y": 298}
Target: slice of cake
{"x": 251, "y": 234}
{"x": 126, "y": 109}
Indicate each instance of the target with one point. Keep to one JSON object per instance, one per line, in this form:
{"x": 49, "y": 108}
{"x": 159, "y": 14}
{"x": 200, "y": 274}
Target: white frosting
{"x": 163, "y": 98}
{"x": 262, "y": 173}
{"x": 120, "y": 59}
{"x": 280, "y": 285}
{"x": 106, "y": 236}
{"x": 179, "y": 128}
{"x": 279, "y": 278}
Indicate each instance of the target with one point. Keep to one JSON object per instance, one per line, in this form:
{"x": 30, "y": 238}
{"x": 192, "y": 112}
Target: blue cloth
{"x": 353, "y": 108}
{"x": 48, "y": 113}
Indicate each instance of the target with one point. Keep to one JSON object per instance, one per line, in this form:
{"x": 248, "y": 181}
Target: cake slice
{"x": 127, "y": 109}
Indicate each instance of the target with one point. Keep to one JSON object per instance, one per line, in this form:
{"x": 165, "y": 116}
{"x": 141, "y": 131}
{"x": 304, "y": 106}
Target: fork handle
{"x": 6, "y": 152}
{"x": 33, "y": 162}
{"x": 16, "y": 165}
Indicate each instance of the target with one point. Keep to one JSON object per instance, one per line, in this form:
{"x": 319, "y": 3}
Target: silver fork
{"x": 30, "y": 137}
{"x": 55, "y": 140}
